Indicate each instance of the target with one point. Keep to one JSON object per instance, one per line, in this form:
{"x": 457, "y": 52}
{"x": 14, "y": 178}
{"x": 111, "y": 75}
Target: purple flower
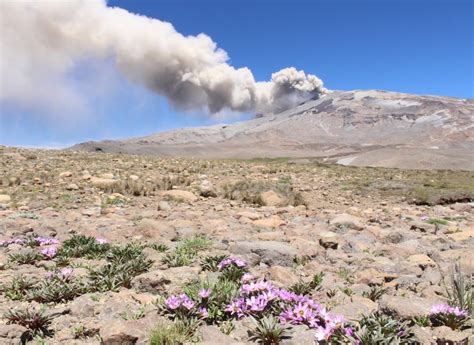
{"x": 446, "y": 309}
{"x": 231, "y": 261}
{"x": 256, "y": 303}
{"x": 203, "y": 312}
{"x": 348, "y": 331}
{"x": 66, "y": 271}
{"x": 101, "y": 240}
{"x": 50, "y": 274}
{"x": 42, "y": 241}
{"x": 49, "y": 252}
{"x": 204, "y": 293}
{"x": 247, "y": 277}
{"x": 188, "y": 304}
{"x": 173, "y": 302}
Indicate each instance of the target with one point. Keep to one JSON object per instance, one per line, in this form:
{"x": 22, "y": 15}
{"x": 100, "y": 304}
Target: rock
{"x": 5, "y": 199}
{"x": 404, "y": 307}
{"x": 282, "y": 275}
{"x": 461, "y": 235}
{"x": 164, "y": 206}
{"x": 72, "y": 186}
{"x": 300, "y": 335}
{"x": 108, "y": 176}
{"x": 445, "y": 335}
{"x": 65, "y": 174}
{"x": 152, "y": 282}
{"x": 179, "y": 195}
{"x": 329, "y": 239}
{"x": 346, "y": 220}
{"x": 211, "y": 335}
{"x": 270, "y": 252}
{"x": 101, "y": 182}
{"x": 249, "y": 215}
{"x": 353, "y": 311}
{"x": 207, "y": 189}
{"x": 133, "y": 177}
{"x": 421, "y": 260}
{"x": 270, "y": 198}
{"x": 272, "y": 222}
{"x": 422, "y": 335}
{"x": 151, "y": 228}
{"x": 422, "y": 227}
{"x": 117, "y": 332}
{"x": 13, "y": 334}
{"x": 83, "y": 306}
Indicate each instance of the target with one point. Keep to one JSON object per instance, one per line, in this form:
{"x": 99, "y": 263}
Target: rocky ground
{"x": 117, "y": 249}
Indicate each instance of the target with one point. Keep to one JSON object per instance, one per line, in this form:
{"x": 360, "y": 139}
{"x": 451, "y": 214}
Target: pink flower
{"x": 101, "y": 240}
{"x": 50, "y": 274}
{"x": 247, "y": 277}
{"x": 173, "y": 302}
{"x": 188, "y": 304}
{"x": 49, "y": 252}
{"x": 203, "y": 312}
{"x": 66, "y": 271}
{"x": 204, "y": 293}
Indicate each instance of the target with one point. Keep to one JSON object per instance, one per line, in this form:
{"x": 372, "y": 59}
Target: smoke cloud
{"x": 42, "y": 41}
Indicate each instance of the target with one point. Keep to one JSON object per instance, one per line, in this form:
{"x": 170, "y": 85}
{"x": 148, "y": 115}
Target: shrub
{"x": 459, "y": 290}
{"x": 377, "y": 328}
{"x": 375, "y": 293}
{"x": 210, "y": 263}
{"x": 305, "y": 288}
{"x": 56, "y": 289}
{"x": 186, "y": 252}
{"x": 84, "y": 246}
{"x": 268, "y": 330}
{"x": 18, "y": 288}
{"x": 36, "y": 321}
{"x": 26, "y": 257}
{"x": 175, "y": 333}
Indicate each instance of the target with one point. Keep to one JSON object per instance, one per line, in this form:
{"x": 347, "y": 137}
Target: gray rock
{"x": 445, "y": 335}
{"x": 270, "y": 252}
{"x": 212, "y": 335}
{"x": 403, "y": 307}
{"x": 152, "y": 282}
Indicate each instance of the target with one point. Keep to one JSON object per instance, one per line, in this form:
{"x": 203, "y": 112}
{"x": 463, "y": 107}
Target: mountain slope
{"x": 372, "y": 128}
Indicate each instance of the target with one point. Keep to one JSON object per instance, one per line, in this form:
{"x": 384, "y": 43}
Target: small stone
{"x": 329, "y": 240}
{"x": 421, "y": 260}
{"x": 346, "y": 220}
{"x": 72, "y": 186}
{"x": 179, "y": 195}
{"x": 270, "y": 198}
{"x": 4, "y": 198}
{"x": 65, "y": 174}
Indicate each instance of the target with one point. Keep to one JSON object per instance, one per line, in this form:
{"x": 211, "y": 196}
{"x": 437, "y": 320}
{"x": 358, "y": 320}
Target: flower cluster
{"x": 43, "y": 241}
{"x": 182, "y": 305}
{"x": 49, "y": 252}
{"x": 261, "y": 297}
{"x": 12, "y": 241}
{"x": 231, "y": 261}
{"x": 37, "y": 240}
{"x": 65, "y": 272}
{"x": 446, "y": 309}
{"x": 445, "y": 315}
{"x": 101, "y": 240}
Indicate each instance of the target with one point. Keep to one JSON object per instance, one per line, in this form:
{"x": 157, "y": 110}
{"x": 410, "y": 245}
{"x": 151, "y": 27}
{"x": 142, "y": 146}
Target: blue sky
{"x": 413, "y": 46}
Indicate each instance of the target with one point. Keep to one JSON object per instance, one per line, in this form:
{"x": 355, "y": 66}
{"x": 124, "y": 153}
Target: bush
{"x": 175, "y": 333}
{"x": 36, "y": 321}
{"x": 18, "y": 288}
{"x": 268, "y": 330}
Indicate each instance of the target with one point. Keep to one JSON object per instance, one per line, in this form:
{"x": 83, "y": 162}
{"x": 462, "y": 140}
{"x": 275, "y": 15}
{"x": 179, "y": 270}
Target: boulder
{"x": 421, "y": 260}
{"x": 445, "y": 335}
{"x": 152, "y": 282}
{"x": 329, "y": 239}
{"x": 151, "y": 228}
{"x": 180, "y": 195}
{"x": 348, "y": 221}
{"x": 404, "y": 307}
{"x": 270, "y": 198}
{"x": 270, "y": 252}
{"x": 272, "y": 222}
{"x": 4, "y": 198}
{"x": 212, "y": 335}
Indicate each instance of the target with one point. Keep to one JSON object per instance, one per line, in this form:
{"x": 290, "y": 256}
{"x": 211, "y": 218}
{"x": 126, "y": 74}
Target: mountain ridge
{"x": 359, "y": 127}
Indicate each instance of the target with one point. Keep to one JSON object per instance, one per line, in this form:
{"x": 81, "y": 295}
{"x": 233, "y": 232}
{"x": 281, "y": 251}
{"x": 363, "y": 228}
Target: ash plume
{"x": 42, "y": 41}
